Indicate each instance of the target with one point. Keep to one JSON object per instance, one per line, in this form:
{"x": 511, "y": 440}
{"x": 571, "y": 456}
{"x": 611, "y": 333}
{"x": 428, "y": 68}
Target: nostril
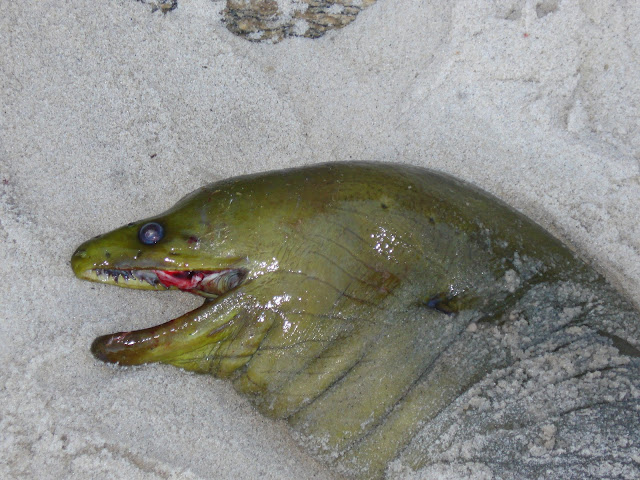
{"x": 80, "y": 253}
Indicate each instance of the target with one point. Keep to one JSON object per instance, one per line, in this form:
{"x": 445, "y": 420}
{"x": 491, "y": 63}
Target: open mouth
{"x": 208, "y": 282}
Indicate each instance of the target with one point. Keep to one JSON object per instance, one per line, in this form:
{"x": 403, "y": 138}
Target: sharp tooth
{"x": 146, "y": 276}
{"x": 115, "y": 274}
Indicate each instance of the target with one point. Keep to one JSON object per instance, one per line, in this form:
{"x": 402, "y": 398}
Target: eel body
{"x": 361, "y": 302}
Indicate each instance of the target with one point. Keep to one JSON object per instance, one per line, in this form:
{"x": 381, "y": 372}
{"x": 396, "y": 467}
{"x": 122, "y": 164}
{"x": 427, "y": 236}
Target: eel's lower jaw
{"x": 107, "y": 349}
{"x": 157, "y": 343}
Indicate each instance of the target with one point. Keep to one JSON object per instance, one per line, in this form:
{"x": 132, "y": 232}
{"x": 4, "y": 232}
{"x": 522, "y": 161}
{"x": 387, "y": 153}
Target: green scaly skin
{"x": 359, "y": 282}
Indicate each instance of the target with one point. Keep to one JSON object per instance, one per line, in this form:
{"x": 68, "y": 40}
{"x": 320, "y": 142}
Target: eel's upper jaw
{"x": 208, "y": 283}
{"x": 130, "y": 278}
{"x": 86, "y": 268}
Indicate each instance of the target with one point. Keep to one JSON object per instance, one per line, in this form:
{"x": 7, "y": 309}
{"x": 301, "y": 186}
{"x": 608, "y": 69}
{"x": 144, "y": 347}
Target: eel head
{"x": 199, "y": 246}
{"x": 158, "y": 254}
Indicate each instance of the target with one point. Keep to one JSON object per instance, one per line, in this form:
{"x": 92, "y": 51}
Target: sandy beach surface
{"x": 111, "y": 112}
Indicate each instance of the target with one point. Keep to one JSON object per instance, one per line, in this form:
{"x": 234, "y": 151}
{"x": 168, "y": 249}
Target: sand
{"x": 111, "y": 113}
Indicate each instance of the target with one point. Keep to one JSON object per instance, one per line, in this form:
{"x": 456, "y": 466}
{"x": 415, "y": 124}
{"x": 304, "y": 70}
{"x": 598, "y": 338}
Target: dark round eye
{"x": 151, "y": 233}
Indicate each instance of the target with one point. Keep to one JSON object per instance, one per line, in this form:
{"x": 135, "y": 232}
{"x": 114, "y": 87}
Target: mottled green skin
{"x": 335, "y": 327}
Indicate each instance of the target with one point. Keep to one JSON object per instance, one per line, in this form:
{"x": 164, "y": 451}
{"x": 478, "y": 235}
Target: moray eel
{"x": 357, "y": 301}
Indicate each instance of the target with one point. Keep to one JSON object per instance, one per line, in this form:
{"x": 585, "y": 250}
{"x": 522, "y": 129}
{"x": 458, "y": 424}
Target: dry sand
{"x": 110, "y": 113}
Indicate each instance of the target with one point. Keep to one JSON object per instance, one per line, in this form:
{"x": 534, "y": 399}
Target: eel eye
{"x": 151, "y": 233}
